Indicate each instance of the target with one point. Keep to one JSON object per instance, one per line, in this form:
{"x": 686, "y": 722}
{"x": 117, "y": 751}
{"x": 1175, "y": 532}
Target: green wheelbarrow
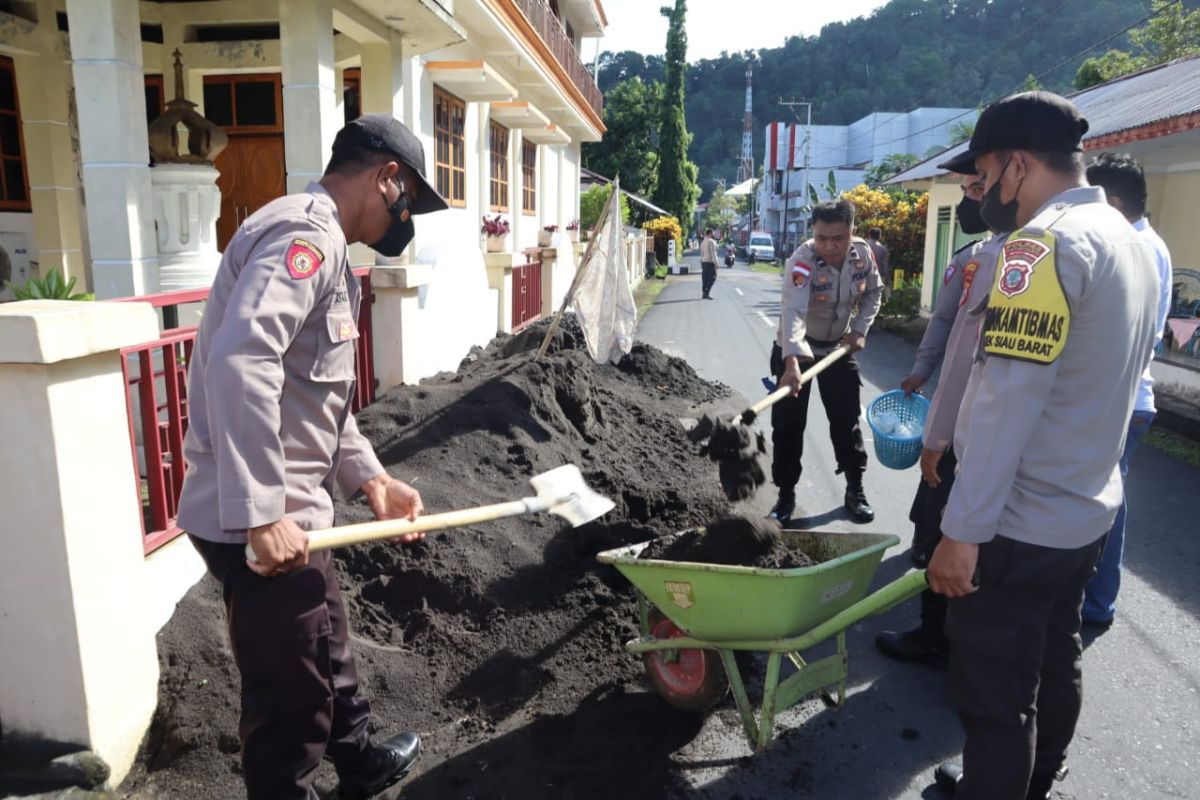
{"x": 694, "y": 618}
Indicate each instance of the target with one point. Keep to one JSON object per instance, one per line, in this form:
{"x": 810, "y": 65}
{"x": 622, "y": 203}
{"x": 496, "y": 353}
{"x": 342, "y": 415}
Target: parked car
{"x": 761, "y": 247}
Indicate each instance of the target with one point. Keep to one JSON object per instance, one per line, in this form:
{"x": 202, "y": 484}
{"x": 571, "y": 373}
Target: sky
{"x": 716, "y": 25}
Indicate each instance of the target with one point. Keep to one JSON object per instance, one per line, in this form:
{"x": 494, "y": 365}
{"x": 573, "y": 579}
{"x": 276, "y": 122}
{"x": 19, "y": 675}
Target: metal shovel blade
{"x": 565, "y": 493}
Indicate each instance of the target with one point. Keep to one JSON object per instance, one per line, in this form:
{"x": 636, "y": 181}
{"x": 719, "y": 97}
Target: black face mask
{"x": 400, "y": 232}
{"x": 969, "y": 218}
{"x": 997, "y": 215}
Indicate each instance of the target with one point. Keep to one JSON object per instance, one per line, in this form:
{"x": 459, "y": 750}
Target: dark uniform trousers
{"x": 299, "y": 684}
{"x": 926, "y": 516}
{"x": 708, "y": 276}
{"x": 839, "y": 385}
{"x": 1016, "y": 664}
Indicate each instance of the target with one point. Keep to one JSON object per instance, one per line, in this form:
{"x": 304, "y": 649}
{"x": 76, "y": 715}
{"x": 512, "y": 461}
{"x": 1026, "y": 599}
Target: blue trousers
{"x": 1100, "y": 596}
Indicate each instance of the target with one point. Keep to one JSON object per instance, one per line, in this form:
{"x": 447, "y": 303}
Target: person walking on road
{"x": 831, "y": 294}
{"x": 952, "y": 331}
{"x": 708, "y": 263}
{"x": 271, "y": 433}
{"x": 1068, "y": 331}
{"x": 1124, "y": 184}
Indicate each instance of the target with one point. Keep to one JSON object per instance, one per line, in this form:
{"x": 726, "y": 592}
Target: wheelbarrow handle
{"x": 751, "y": 413}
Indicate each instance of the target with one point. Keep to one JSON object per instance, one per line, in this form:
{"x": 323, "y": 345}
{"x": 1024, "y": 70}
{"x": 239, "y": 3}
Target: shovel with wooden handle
{"x": 560, "y": 491}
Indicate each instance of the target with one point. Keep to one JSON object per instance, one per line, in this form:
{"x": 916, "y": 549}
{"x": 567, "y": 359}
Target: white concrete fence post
{"x": 395, "y": 321}
{"x": 79, "y": 663}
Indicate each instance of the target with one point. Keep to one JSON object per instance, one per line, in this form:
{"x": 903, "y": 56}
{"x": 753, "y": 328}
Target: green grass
{"x": 1174, "y": 445}
{"x": 647, "y": 292}
{"x": 768, "y": 267}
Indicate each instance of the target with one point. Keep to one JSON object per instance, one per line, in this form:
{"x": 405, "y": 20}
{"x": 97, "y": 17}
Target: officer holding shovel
{"x": 269, "y": 388}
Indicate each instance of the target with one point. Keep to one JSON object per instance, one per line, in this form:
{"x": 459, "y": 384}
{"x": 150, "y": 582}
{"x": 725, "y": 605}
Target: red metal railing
{"x": 157, "y": 400}
{"x": 527, "y": 291}
{"x": 550, "y": 28}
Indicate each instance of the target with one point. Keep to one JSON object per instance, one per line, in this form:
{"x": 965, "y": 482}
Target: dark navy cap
{"x": 1040, "y": 121}
{"x": 385, "y": 133}
{"x": 963, "y": 163}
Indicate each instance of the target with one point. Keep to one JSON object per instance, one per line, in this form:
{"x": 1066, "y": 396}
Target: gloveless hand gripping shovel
{"x": 560, "y": 491}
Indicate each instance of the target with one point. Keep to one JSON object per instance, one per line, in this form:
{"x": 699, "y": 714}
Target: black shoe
{"x": 785, "y": 506}
{"x": 918, "y": 646}
{"x": 856, "y": 502}
{"x": 378, "y": 767}
{"x": 1039, "y": 786}
{"x": 947, "y": 776}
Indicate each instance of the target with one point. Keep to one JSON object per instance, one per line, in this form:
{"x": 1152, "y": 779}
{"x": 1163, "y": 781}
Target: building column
{"x": 309, "y": 104}
{"x": 106, "y": 49}
{"x": 383, "y": 77}
{"x": 516, "y": 191}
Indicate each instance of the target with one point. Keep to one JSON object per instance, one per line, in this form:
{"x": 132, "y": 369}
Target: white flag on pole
{"x": 603, "y": 300}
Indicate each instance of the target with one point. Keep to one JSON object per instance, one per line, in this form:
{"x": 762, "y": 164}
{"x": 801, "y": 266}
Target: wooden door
{"x": 249, "y": 108}
{"x": 252, "y": 175}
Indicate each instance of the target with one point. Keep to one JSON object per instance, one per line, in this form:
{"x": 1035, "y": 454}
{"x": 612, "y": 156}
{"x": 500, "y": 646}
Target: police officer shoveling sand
{"x": 271, "y": 433}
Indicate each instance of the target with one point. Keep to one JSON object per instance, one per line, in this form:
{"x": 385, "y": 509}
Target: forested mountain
{"x": 907, "y": 54}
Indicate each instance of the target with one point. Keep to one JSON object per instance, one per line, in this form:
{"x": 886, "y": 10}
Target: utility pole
{"x": 791, "y": 104}
{"x": 746, "y": 169}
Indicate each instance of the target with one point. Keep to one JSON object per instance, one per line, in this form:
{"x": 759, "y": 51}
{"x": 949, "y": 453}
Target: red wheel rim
{"x": 686, "y": 674}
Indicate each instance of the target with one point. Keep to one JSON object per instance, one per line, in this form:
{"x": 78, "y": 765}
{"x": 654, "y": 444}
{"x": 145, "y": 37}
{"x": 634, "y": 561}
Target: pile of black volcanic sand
{"x": 502, "y": 644}
{"x": 735, "y": 540}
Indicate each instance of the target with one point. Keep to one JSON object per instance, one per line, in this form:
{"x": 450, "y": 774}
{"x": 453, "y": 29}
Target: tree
{"x": 1171, "y": 33}
{"x": 961, "y": 132}
{"x": 592, "y": 202}
{"x": 723, "y": 209}
{"x": 677, "y": 188}
{"x": 629, "y": 147}
{"x": 1031, "y": 84}
{"x": 888, "y": 167}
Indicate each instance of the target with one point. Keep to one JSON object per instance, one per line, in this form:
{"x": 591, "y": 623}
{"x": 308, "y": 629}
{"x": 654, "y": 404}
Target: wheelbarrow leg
{"x": 740, "y": 697}
{"x": 766, "y": 726}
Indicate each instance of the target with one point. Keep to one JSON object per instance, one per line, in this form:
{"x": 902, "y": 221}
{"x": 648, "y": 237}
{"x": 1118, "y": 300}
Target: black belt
{"x": 820, "y": 343}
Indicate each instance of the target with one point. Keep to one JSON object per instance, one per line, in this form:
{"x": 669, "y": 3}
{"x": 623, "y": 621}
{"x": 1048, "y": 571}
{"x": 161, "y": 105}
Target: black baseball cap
{"x": 385, "y": 133}
{"x": 962, "y": 164}
{"x": 1040, "y": 121}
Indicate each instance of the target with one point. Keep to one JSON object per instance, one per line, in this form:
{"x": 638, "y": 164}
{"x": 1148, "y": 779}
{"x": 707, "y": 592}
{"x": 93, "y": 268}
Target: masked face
{"x": 401, "y": 231}
{"x": 969, "y": 218}
{"x": 996, "y": 214}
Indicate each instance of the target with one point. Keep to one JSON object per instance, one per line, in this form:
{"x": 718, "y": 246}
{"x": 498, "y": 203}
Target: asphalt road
{"x": 1140, "y": 729}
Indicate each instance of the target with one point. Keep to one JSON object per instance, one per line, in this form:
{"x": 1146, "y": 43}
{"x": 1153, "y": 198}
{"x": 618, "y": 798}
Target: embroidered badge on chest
{"x": 303, "y": 259}
{"x": 346, "y": 331}
{"x": 1020, "y": 257}
{"x": 800, "y": 273}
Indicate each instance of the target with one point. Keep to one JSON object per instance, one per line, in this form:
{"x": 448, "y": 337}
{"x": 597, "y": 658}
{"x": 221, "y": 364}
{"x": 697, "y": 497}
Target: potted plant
{"x": 573, "y": 230}
{"x": 496, "y": 229}
{"x": 546, "y": 234}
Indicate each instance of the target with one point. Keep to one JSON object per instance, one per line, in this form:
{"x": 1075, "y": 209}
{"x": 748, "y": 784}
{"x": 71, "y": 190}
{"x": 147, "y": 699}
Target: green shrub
{"x": 905, "y": 301}
{"x": 51, "y": 287}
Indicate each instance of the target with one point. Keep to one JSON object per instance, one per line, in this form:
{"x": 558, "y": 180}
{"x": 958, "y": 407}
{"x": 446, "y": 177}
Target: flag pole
{"x": 585, "y": 262}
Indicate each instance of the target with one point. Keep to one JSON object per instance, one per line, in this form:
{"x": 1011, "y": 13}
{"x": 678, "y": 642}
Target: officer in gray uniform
{"x": 831, "y": 294}
{"x": 962, "y": 300}
{"x": 271, "y": 433}
{"x": 1066, "y": 335}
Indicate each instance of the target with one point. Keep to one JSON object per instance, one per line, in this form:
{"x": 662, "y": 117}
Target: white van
{"x": 761, "y": 247}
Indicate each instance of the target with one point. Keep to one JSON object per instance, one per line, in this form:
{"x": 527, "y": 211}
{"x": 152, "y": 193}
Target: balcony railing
{"x": 551, "y": 29}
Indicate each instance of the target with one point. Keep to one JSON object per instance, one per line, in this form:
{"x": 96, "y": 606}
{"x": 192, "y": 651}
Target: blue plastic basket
{"x": 897, "y": 452}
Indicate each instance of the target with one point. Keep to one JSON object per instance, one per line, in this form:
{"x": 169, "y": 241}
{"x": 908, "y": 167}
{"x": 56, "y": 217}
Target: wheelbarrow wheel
{"x": 691, "y": 679}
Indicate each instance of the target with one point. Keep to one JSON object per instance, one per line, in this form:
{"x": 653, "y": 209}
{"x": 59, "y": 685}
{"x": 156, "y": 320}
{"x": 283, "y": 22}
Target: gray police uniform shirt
{"x": 823, "y": 302}
{"x": 945, "y": 311}
{"x": 1067, "y": 333}
{"x": 974, "y": 280}
{"x": 271, "y": 376}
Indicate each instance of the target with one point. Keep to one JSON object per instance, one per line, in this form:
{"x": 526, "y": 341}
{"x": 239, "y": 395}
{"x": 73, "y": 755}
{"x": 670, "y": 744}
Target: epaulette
{"x": 971, "y": 243}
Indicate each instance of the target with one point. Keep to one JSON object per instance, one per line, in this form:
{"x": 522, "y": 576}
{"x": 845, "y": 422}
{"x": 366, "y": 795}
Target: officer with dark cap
{"x": 1067, "y": 333}
{"x": 271, "y": 433}
{"x": 952, "y": 332}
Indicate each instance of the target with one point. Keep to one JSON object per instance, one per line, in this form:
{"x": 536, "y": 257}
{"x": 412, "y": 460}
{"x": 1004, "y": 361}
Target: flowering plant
{"x": 495, "y": 226}
{"x": 551, "y": 229}
{"x": 573, "y": 225}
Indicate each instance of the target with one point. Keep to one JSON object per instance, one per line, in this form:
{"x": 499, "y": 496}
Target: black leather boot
{"x": 856, "y": 499}
{"x": 785, "y": 506}
{"x": 377, "y": 767}
{"x": 947, "y": 776}
{"x": 919, "y": 646}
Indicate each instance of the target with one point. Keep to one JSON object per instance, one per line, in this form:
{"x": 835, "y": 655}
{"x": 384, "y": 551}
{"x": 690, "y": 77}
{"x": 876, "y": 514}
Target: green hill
{"x": 907, "y": 54}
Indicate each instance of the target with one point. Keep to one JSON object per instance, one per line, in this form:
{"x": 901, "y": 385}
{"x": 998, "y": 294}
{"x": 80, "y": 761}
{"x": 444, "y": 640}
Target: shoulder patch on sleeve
{"x": 303, "y": 259}
{"x": 949, "y": 276}
{"x": 1028, "y": 315}
{"x": 800, "y": 273}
